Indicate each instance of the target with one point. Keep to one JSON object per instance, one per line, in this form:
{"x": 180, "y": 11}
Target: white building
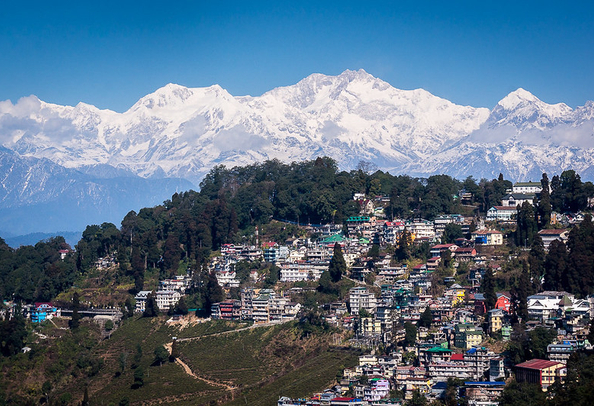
{"x": 361, "y": 298}
{"x": 517, "y": 199}
{"x": 548, "y": 236}
{"x": 167, "y": 299}
{"x": 421, "y": 228}
{"x": 501, "y": 213}
{"x": 527, "y": 187}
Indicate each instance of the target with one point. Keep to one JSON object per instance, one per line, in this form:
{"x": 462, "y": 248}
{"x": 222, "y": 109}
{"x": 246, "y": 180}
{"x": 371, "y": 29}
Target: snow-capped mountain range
{"x": 179, "y": 132}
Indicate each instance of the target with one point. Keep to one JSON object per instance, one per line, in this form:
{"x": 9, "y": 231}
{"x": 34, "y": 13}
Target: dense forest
{"x": 232, "y": 202}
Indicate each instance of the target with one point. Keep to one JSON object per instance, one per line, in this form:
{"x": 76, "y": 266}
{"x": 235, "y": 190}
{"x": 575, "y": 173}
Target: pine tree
{"x": 174, "y": 351}
{"x": 214, "y": 292}
{"x": 403, "y": 250}
{"x": 151, "y": 309}
{"x": 488, "y": 287}
{"x": 520, "y": 293}
{"x": 75, "y": 321}
{"x": 526, "y": 225}
{"x": 579, "y": 277}
{"x": 181, "y": 307}
{"x": 555, "y": 266}
{"x": 410, "y": 334}
{"x": 544, "y": 203}
{"x": 337, "y": 265}
{"x": 536, "y": 260}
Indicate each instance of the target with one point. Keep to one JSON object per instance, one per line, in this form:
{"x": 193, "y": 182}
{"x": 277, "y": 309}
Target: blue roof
{"x": 485, "y": 383}
{"x": 440, "y": 385}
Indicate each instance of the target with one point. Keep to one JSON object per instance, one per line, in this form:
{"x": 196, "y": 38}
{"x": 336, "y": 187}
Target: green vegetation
{"x": 133, "y": 365}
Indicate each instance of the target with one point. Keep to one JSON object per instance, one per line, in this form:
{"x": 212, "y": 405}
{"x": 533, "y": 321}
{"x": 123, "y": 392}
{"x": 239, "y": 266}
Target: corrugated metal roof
{"x": 537, "y": 364}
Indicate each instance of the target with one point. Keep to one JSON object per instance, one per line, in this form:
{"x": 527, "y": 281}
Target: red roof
{"x": 537, "y": 364}
{"x": 440, "y": 246}
{"x": 344, "y": 399}
{"x": 457, "y": 357}
{"x": 505, "y": 208}
{"x": 552, "y": 232}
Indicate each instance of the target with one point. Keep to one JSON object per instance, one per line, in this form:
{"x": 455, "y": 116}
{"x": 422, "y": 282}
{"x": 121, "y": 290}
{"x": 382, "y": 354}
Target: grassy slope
{"x": 261, "y": 364}
{"x": 266, "y": 363}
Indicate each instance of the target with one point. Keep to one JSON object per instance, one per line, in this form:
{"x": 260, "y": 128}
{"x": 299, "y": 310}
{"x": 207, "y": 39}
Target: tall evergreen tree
{"x": 557, "y": 195}
{"x": 555, "y": 266}
{"x": 580, "y": 269}
{"x": 526, "y": 225}
{"x": 214, "y": 292}
{"x": 337, "y": 265}
{"x": 536, "y": 260}
{"x": 75, "y": 320}
{"x": 488, "y": 287}
{"x": 520, "y": 294}
{"x": 404, "y": 246}
{"x": 544, "y": 203}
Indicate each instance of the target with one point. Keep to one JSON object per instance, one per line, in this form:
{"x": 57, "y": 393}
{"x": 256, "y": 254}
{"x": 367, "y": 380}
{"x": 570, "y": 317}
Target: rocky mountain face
{"x": 178, "y": 132}
{"x": 37, "y": 195}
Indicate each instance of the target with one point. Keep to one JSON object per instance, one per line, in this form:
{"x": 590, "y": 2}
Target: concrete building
{"x": 541, "y": 372}
{"x": 361, "y": 298}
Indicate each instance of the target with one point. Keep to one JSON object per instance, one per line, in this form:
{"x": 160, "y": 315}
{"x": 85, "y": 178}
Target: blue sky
{"x": 111, "y": 53}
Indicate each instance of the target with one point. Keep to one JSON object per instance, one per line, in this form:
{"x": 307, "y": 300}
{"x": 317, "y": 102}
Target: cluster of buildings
{"x": 170, "y": 291}
{"x": 259, "y": 305}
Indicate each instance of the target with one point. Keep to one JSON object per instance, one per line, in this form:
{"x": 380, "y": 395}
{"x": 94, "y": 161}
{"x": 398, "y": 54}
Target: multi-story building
{"x": 369, "y": 327}
{"x": 166, "y": 299}
{"x": 361, "y": 298}
{"x": 548, "y": 236}
{"x": 420, "y": 228}
{"x": 495, "y": 317}
{"x": 560, "y": 352}
{"x": 545, "y": 305}
{"x": 301, "y": 271}
{"x": 226, "y": 310}
{"x": 541, "y": 372}
{"x": 527, "y": 187}
{"x": 441, "y": 371}
{"x": 487, "y": 237}
{"x": 467, "y": 335}
{"x": 260, "y": 305}
{"x": 501, "y": 213}
{"x": 517, "y": 199}
{"x": 496, "y": 368}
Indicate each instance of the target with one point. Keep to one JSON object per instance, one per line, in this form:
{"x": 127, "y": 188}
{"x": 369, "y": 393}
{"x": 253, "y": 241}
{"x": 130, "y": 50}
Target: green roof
{"x": 358, "y": 218}
{"x": 334, "y": 238}
{"x": 438, "y": 349}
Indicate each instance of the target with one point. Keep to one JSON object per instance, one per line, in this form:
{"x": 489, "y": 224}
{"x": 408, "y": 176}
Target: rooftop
{"x": 537, "y": 364}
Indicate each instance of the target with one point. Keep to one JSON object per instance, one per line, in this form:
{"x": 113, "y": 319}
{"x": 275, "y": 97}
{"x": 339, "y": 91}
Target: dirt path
{"x": 236, "y": 331}
{"x": 189, "y": 371}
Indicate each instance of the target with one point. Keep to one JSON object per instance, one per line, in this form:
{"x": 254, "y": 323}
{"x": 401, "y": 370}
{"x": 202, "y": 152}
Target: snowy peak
{"x": 173, "y": 97}
{"x": 524, "y": 111}
{"x": 178, "y": 131}
{"x": 519, "y": 97}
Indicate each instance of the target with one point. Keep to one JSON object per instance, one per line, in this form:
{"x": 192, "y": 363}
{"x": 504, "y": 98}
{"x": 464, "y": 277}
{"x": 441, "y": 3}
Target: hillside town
{"x": 437, "y": 331}
{"x": 419, "y": 299}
